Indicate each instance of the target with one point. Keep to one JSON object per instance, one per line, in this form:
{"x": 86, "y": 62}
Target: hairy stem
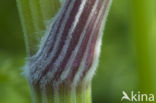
{"x": 61, "y": 69}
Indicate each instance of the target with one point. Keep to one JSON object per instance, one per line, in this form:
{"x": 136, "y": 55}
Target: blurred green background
{"x": 118, "y": 69}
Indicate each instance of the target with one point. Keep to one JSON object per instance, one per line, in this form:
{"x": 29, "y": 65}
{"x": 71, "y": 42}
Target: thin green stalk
{"x": 34, "y": 14}
{"x": 27, "y": 24}
{"x": 144, "y": 24}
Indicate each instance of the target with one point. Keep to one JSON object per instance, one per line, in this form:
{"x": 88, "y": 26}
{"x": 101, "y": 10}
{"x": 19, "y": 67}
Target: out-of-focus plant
{"x": 63, "y": 52}
{"x": 144, "y": 26}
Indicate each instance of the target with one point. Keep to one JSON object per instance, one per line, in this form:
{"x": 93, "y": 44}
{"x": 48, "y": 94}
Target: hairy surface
{"x": 70, "y": 49}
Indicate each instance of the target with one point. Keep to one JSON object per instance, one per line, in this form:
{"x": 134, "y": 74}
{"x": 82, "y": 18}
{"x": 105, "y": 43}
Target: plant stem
{"x": 145, "y": 33}
{"x": 75, "y": 95}
{"x": 68, "y": 57}
{"x": 34, "y": 14}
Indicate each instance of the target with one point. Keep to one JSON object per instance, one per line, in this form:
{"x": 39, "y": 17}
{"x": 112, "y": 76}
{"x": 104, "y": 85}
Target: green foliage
{"x": 13, "y": 86}
{"x": 144, "y": 23}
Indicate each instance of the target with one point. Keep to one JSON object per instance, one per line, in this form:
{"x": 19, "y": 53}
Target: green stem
{"x": 145, "y": 33}
{"x": 34, "y": 14}
{"x": 65, "y": 95}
